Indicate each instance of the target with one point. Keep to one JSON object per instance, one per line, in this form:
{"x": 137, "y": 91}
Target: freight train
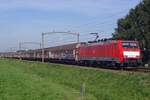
{"x": 118, "y": 53}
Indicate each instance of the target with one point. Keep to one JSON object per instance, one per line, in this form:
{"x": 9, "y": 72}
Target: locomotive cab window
{"x": 130, "y": 45}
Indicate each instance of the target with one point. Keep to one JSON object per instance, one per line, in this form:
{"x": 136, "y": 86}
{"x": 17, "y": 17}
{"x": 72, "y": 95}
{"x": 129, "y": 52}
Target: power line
{"x": 56, "y": 39}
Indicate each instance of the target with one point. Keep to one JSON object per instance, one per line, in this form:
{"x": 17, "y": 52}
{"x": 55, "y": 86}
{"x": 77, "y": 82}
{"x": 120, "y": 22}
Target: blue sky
{"x": 25, "y": 20}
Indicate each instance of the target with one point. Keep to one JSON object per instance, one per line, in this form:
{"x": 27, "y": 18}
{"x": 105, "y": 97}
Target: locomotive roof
{"x": 102, "y": 42}
{"x": 110, "y": 41}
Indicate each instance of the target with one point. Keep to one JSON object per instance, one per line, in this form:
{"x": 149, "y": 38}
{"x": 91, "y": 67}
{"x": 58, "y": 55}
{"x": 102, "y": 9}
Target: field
{"x": 24, "y": 80}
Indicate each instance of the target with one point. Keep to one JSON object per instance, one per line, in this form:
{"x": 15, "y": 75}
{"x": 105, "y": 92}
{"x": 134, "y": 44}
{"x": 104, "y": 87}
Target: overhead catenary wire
{"x": 81, "y": 35}
{"x": 98, "y": 25}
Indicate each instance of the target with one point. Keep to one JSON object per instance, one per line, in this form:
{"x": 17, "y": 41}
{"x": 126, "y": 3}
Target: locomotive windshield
{"x": 130, "y": 45}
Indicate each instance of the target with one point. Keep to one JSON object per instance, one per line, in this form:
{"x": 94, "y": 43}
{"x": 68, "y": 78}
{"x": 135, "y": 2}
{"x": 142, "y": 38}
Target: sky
{"x": 25, "y": 20}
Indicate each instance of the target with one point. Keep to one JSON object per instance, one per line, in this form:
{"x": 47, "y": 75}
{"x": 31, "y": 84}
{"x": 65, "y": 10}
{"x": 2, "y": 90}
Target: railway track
{"x": 139, "y": 69}
{"x": 131, "y": 69}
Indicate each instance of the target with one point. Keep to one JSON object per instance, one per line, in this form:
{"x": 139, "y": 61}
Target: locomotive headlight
{"x": 131, "y": 54}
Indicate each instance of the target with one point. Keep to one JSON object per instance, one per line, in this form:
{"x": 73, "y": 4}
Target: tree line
{"x": 135, "y": 25}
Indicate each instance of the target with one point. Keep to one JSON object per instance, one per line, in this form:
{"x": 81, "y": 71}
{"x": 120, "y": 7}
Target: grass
{"x": 23, "y": 80}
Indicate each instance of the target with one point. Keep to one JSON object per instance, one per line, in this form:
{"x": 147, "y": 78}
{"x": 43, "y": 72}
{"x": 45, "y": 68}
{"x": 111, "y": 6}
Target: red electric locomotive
{"x": 111, "y": 52}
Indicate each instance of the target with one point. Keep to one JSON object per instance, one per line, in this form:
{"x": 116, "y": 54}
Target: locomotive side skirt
{"x": 100, "y": 59}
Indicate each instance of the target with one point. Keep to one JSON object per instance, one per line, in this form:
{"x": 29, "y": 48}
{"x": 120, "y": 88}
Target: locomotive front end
{"x": 131, "y": 53}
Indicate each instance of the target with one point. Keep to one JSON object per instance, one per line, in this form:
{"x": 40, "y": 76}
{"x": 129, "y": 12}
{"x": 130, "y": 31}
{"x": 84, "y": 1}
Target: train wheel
{"x": 94, "y": 64}
{"x": 87, "y": 63}
{"x": 117, "y": 65}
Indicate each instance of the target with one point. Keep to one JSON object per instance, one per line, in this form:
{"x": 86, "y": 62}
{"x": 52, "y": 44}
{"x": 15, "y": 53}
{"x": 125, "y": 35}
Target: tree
{"x": 136, "y": 25}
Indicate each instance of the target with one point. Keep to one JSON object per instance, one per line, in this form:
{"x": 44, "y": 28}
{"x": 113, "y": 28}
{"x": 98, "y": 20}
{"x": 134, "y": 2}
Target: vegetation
{"x": 23, "y": 80}
{"x": 136, "y": 25}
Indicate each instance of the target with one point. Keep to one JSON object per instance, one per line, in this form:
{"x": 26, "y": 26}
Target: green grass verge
{"x": 23, "y": 80}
